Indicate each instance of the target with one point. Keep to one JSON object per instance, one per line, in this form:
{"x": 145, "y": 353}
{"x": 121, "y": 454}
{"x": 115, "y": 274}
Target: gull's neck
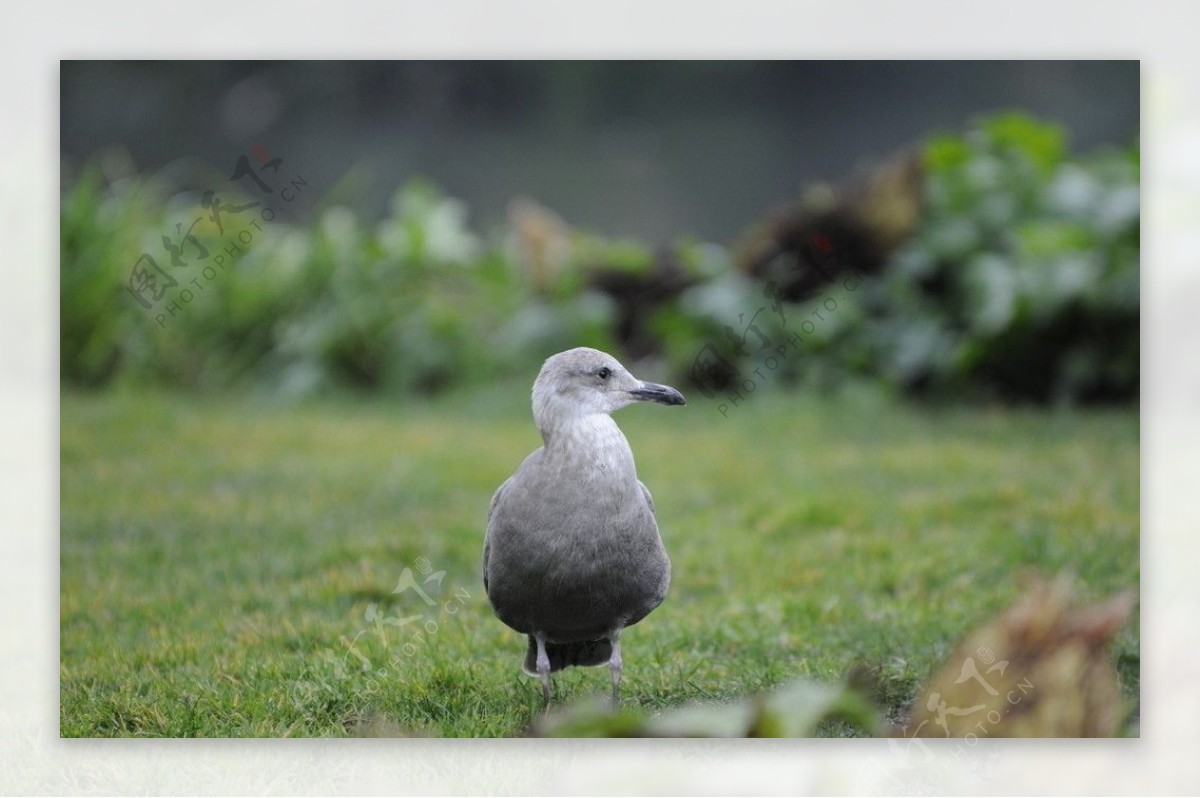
{"x": 588, "y": 439}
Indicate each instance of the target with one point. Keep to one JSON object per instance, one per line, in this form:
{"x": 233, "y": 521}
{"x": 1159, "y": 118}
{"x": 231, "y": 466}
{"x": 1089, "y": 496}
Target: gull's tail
{"x": 564, "y": 655}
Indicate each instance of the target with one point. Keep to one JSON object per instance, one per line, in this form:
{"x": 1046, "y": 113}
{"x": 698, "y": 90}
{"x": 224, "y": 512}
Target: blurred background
{"x": 974, "y": 225}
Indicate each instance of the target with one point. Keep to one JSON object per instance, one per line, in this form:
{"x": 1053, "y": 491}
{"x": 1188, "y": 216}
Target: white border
{"x": 34, "y": 760}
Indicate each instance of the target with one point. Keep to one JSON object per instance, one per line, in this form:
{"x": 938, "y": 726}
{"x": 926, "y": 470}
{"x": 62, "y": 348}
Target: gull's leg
{"x": 614, "y": 665}
{"x": 543, "y": 667}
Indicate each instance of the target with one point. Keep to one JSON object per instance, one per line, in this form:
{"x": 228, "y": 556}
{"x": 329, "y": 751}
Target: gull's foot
{"x": 614, "y": 665}
{"x": 543, "y": 670}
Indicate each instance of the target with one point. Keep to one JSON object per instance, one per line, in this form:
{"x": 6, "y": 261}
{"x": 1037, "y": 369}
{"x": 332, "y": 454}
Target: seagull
{"x": 572, "y": 554}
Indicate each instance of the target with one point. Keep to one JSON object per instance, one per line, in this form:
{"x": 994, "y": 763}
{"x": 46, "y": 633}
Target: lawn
{"x": 228, "y": 564}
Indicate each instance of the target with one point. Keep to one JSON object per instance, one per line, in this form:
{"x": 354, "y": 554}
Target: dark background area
{"x": 652, "y": 150}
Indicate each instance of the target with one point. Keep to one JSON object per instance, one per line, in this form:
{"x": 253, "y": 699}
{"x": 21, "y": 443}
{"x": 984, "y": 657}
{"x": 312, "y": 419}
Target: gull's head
{"x": 584, "y": 382}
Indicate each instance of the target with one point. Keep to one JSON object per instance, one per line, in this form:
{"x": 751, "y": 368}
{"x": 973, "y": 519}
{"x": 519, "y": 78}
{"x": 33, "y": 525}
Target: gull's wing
{"x": 487, "y": 545}
{"x": 646, "y": 493}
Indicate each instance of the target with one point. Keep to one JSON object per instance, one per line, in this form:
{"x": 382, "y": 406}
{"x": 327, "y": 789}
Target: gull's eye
{"x": 603, "y": 373}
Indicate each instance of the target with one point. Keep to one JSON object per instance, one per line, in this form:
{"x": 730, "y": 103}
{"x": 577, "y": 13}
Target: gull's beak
{"x": 663, "y": 394}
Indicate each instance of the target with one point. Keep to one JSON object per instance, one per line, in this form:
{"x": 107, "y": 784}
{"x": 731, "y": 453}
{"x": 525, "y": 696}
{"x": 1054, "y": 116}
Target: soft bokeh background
{"x": 455, "y": 223}
{"x": 646, "y": 150}
{"x": 903, "y": 299}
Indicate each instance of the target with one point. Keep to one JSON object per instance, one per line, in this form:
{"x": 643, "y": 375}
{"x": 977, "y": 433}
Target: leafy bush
{"x": 99, "y": 230}
{"x": 1020, "y": 282}
{"x": 417, "y": 303}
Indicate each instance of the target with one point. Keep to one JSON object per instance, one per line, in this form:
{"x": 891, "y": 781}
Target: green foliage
{"x": 402, "y": 307}
{"x": 1021, "y": 282}
{"x": 99, "y": 229}
{"x": 799, "y": 709}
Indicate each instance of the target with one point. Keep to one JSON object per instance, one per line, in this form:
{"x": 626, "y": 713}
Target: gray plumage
{"x": 573, "y": 554}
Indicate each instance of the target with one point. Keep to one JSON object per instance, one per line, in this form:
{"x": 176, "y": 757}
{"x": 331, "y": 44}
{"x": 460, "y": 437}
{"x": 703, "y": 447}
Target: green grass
{"x": 216, "y": 552}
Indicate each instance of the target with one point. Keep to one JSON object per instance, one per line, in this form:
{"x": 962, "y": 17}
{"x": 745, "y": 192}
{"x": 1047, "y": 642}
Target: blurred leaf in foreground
{"x": 796, "y": 710}
{"x": 1041, "y": 669}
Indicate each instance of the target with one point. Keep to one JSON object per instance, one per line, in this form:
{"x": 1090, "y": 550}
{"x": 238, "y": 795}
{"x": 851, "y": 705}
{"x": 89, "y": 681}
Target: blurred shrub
{"x": 1022, "y": 280}
{"x": 99, "y": 230}
{"x": 416, "y": 304}
{"x": 404, "y": 306}
{"x": 1018, "y": 278}
{"x": 1017, "y": 281}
